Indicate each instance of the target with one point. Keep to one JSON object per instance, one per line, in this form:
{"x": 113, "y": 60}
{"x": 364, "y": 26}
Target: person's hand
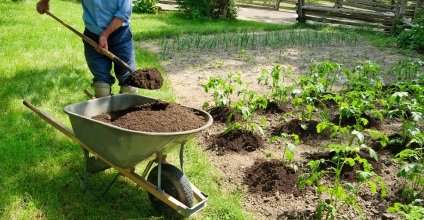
{"x": 102, "y": 42}
{"x": 43, "y": 6}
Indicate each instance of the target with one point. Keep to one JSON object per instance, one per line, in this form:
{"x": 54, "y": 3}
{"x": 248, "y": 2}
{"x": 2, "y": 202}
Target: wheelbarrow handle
{"x": 54, "y": 122}
{"x": 93, "y": 43}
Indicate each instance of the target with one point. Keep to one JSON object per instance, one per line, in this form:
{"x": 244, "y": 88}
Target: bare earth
{"x": 188, "y": 71}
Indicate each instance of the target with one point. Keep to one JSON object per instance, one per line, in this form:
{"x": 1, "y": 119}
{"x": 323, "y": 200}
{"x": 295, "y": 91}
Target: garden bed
{"x": 249, "y": 168}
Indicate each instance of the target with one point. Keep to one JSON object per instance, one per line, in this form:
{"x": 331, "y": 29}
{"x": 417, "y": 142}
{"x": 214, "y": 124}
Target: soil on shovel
{"x": 158, "y": 116}
{"x": 147, "y": 78}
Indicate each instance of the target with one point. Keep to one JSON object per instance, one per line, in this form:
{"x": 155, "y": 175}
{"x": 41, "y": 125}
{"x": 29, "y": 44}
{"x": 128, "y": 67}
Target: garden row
{"x": 344, "y": 102}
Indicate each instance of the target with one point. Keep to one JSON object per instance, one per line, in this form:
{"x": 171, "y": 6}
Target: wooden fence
{"x": 264, "y": 4}
{"x": 375, "y": 13}
{"x": 357, "y": 12}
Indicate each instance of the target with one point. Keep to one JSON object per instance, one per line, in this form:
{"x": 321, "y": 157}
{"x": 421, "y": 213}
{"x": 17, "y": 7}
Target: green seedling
{"x": 247, "y": 105}
{"x": 340, "y": 192}
{"x": 288, "y": 148}
{"x": 408, "y": 211}
{"x": 278, "y": 76}
{"x": 223, "y": 88}
{"x": 412, "y": 162}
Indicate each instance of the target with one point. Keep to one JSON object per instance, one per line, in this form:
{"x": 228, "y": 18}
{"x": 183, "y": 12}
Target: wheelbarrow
{"x": 106, "y": 146}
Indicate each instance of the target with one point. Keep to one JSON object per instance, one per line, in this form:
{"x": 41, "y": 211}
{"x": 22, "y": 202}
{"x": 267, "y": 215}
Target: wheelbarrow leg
{"x": 86, "y": 157}
{"x": 182, "y": 155}
{"x": 93, "y": 166}
{"x": 110, "y": 184}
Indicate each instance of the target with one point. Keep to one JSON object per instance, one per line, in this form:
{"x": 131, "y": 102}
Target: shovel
{"x": 147, "y": 78}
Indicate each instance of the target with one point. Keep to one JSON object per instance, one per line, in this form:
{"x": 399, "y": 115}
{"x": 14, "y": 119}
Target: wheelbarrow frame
{"x": 94, "y": 167}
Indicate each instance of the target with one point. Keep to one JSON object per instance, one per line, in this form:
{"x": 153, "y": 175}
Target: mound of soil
{"x": 237, "y": 141}
{"x": 348, "y": 173}
{"x": 274, "y": 108}
{"x": 158, "y": 116}
{"x": 351, "y": 121}
{"x": 266, "y": 177}
{"x": 295, "y": 127}
{"x": 221, "y": 113}
{"x": 145, "y": 78}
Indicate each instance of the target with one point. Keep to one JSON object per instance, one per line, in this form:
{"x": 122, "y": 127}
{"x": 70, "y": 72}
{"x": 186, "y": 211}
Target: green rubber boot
{"x": 101, "y": 89}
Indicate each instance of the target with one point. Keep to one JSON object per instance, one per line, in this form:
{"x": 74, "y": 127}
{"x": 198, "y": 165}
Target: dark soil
{"x": 237, "y": 141}
{"x": 158, "y": 116}
{"x": 266, "y": 177}
{"x": 273, "y": 108}
{"x": 350, "y": 121}
{"x": 348, "y": 173}
{"x": 146, "y": 79}
{"x": 221, "y": 113}
{"x": 295, "y": 127}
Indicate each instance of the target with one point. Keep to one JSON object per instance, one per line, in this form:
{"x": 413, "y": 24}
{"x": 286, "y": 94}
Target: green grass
{"x": 43, "y": 62}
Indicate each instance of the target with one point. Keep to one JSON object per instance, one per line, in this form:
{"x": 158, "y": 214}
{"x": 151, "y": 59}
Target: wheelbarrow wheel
{"x": 174, "y": 183}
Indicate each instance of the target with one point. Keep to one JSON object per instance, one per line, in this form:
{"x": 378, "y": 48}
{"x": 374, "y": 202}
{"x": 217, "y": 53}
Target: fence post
{"x": 300, "y": 13}
{"x": 399, "y": 12}
{"x": 418, "y": 5}
{"x": 338, "y": 4}
{"x": 277, "y": 5}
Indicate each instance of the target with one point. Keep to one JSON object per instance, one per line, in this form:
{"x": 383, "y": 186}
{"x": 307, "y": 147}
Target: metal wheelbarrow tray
{"x": 123, "y": 149}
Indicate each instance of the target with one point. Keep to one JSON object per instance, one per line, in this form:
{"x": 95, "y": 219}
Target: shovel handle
{"x": 93, "y": 43}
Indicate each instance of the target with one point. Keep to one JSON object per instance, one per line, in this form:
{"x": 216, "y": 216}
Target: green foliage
{"x": 408, "y": 211}
{"x": 247, "y": 105}
{"x": 223, "y": 88}
{"x": 145, "y": 6}
{"x": 412, "y": 161}
{"x": 208, "y": 9}
{"x": 341, "y": 193}
{"x": 413, "y": 38}
{"x": 279, "y": 90}
{"x": 288, "y": 148}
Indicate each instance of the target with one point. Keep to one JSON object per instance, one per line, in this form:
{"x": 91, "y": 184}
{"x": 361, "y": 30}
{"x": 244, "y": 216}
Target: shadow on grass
{"x": 42, "y": 168}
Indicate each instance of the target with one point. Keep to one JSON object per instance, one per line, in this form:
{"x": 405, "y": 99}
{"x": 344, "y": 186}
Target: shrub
{"x": 413, "y": 38}
{"x": 208, "y": 9}
{"x": 145, "y": 6}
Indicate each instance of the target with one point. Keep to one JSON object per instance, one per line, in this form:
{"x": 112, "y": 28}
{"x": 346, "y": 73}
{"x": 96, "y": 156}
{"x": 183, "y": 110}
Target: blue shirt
{"x": 99, "y": 13}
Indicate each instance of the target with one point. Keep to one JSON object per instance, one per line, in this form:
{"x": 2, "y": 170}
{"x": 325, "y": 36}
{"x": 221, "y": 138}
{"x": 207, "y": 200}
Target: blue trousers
{"x": 121, "y": 45}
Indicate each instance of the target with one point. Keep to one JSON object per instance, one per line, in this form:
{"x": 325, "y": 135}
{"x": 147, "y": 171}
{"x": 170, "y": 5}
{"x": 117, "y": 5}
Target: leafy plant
{"x": 400, "y": 105}
{"x": 341, "y": 193}
{"x": 247, "y": 105}
{"x": 323, "y": 75}
{"x": 145, "y": 6}
{"x": 365, "y": 76}
{"x": 408, "y": 211}
{"x": 414, "y": 37}
{"x": 288, "y": 148}
{"x": 279, "y": 91}
{"x": 223, "y": 88}
{"x": 412, "y": 161}
{"x": 208, "y": 9}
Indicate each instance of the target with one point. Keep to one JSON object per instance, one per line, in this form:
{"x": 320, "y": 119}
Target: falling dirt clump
{"x": 266, "y": 177}
{"x": 147, "y": 78}
{"x": 158, "y": 116}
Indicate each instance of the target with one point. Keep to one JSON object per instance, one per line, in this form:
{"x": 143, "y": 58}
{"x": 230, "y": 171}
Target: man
{"x": 107, "y": 23}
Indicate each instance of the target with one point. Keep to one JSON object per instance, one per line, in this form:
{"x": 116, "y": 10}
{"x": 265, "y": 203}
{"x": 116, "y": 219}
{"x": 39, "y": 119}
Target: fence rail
{"x": 376, "y": 13}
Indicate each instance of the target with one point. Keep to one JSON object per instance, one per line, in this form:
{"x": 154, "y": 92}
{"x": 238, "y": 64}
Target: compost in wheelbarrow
{"x": 159, "y": 116}
{"x": 123, "y": 147}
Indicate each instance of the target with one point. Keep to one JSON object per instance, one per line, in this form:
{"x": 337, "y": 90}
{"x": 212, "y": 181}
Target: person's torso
{"x": 99, "y": 13}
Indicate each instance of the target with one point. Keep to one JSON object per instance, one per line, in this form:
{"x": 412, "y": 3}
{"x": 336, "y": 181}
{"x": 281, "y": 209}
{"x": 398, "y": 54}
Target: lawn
{"x": 43, "y": 63}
